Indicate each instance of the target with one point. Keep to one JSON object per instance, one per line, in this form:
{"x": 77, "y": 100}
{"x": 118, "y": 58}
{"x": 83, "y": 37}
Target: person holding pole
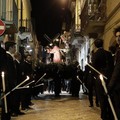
{"x": 17, "y": 61}
{"x": 90, "y": 81}
{"x": 102, "y": 61}
{"x": 114, "y": 84}
{"x": 11, "y": 75}
{"x": 5, "y": 115}
{"x": 27, "y": 70}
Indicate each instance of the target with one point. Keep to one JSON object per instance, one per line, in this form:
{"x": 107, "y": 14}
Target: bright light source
{"x": 101, "y": 77}
{"x": 27, "y": 78}
{"x": 56, "y": 39}
{"x": 3, "y": 74}
{"x": 63, "y": 1}
{"x": 28, "y": 46}
{"x": 50, "y": 44}
{"x": 30, "y": 50}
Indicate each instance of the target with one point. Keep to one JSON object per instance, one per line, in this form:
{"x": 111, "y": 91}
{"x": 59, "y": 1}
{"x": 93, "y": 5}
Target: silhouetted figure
{"x": 17, "y": 61}
{"x": 27, "y": 70}
{"x": 3, "y": 68}
{"x": 102, "y": 61}
{"x": 114, "y": 84}
{"x": 91, "y": 85}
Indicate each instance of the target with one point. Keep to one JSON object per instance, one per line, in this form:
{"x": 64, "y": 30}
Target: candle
{"x": 16, "y": 87}
{"x": 109, "y": 99}
{"x": 3, "y": 85}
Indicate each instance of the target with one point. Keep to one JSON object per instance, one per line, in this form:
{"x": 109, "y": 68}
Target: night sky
{"x": 47, "y": 18}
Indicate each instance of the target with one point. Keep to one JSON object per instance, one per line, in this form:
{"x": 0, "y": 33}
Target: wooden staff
{"x": 29, "y": 83}
{"x": 25, "y": 87}
{"x": 41, "y": 78}
{"x": 109, "y": 100}
{"x": 15, "y": 87}
{"x": 96, "y": 70}
{"x": 38, "y": 85}
{"x": 82, "y": 83}
{"x": 3, "y": 85}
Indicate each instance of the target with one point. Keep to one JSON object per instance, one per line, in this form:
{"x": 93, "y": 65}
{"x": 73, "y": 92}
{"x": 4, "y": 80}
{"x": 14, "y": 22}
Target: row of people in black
{"x": 57, "y": 74}
{"x": 15, "y": 73}
{"x": 108, "y": 65}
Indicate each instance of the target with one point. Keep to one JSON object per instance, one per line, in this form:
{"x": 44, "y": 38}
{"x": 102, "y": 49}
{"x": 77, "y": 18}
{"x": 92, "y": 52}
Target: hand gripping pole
{"x": 15, "y": 87}
{"x": 109, "y": 100}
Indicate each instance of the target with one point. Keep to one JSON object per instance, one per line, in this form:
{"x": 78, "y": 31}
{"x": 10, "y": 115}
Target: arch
{"x": 112, "y": 41}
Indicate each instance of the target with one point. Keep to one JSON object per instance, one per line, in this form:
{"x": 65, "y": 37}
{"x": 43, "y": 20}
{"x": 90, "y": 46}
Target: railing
{"x": 27, "y": 24}
{"x": 96, "y": 11}
{"x": 93, "y": 13}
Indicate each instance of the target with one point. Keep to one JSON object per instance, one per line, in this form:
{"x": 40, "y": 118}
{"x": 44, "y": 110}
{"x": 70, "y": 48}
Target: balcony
{"x": 25, "y": 25}
{"x": 93, "y": 18}
{"x": 10, "y": 27}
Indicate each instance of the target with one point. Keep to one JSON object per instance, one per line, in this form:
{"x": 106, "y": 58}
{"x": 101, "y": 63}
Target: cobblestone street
{"x": 47, "y": 107}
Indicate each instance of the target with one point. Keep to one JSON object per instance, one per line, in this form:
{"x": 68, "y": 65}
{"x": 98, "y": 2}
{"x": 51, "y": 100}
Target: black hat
{"x": 9, "y": 44}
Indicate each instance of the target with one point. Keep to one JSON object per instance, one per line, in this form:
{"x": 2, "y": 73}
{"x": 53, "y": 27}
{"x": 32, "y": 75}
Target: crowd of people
{"x": 21, "y": 89}
{"x": 59, "y": 76}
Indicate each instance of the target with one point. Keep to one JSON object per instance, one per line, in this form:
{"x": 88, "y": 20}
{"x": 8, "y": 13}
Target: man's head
{"x": 28, "y": 58}
{"x": 98, "y": 43}
{"x": 10, "y": 46}
{"x": 117, "y": 34}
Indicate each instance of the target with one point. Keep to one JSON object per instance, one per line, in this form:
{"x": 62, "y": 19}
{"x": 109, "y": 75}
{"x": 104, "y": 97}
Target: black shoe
{"x": 90, "y": 105}
{"x": 97, "y": 105}
{"x": 31, "y": 103}
{"x": 14, "y": 114}
{"x": 29, "y": 108}
{"x": 23, "y": 108}
{"x": 20, "y": 113}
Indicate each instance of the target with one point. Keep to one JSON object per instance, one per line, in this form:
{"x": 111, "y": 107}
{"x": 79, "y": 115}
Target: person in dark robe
{"x": 11, "y": 76}
{"x": 27, "y": 70}
{"x": 114, "y": 83}
{"x": 102, "y": 61}
{"x": 17, "y": 61}
{"x": 3, "y": 68}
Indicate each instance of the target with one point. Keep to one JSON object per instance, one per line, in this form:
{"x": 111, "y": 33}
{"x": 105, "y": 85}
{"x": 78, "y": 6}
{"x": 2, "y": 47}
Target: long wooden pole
{"x": 41, "y": 78}
{"x": 109, "y": 99}
{"x": 15, "y": 87}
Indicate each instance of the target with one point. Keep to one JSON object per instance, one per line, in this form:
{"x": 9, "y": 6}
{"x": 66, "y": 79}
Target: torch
{"x": 3, "y": 84}
{"x": 15, "y": 87}
{"x": 109, "y": 100}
